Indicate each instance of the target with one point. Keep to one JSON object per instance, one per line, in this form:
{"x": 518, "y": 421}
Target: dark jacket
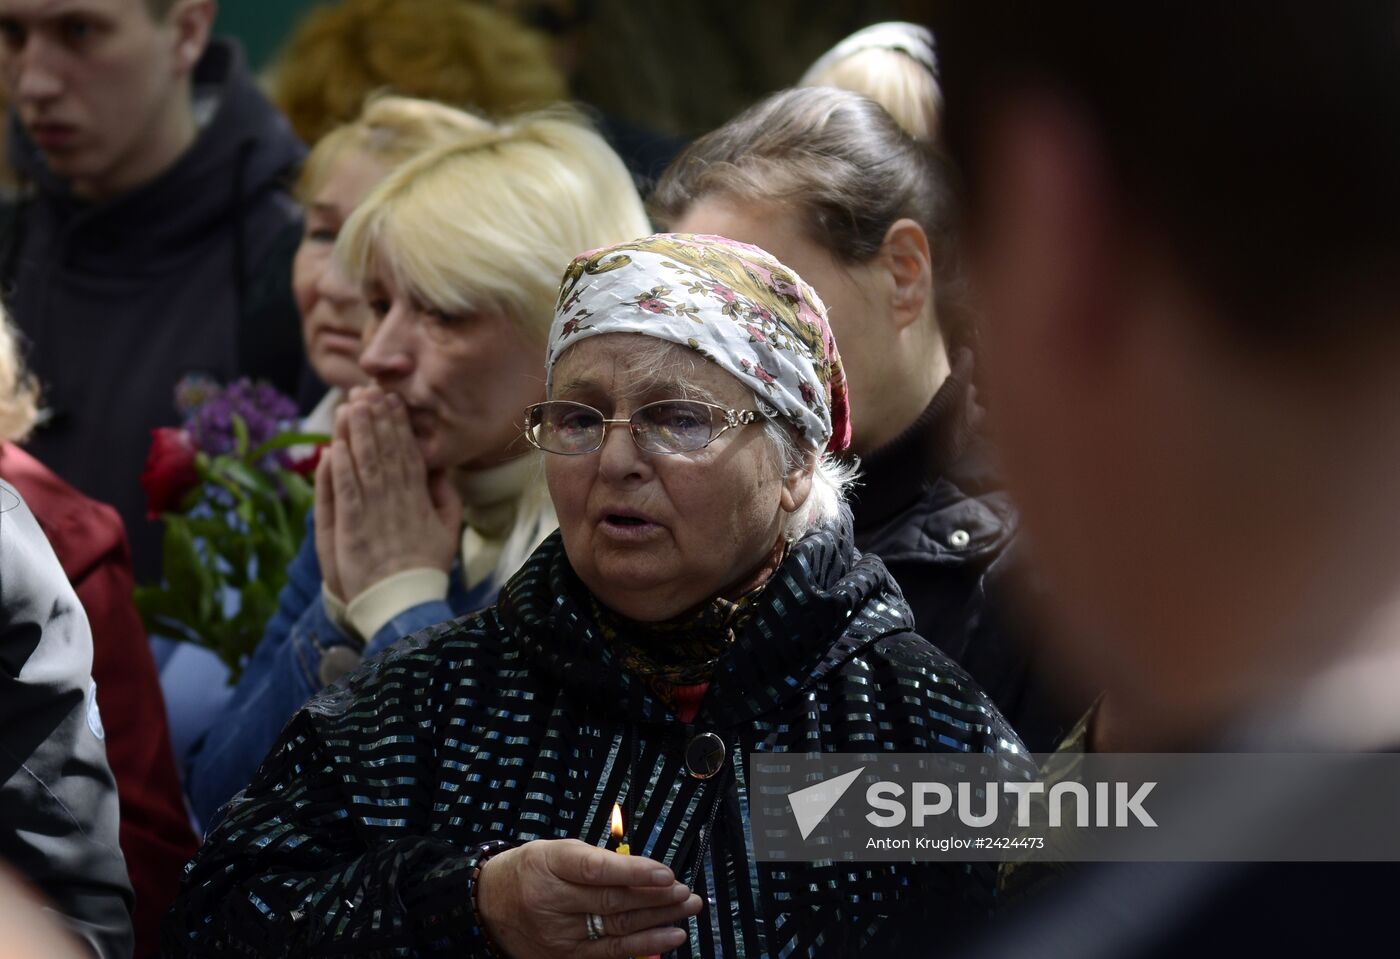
{"x": 519, "y": 727}
{"x": 931, "y": 506}
{"x": 88, "y": 539}
{"x": 188, "y": 273}
{"x": 58, "y": 803}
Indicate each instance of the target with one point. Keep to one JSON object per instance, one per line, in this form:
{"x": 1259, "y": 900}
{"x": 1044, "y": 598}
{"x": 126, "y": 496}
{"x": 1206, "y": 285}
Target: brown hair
{"x": 845, "y": 164}
{"x": 458, "y": 53}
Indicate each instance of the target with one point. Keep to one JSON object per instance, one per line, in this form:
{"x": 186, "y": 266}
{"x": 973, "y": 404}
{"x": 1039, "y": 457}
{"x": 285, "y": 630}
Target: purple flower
{"x": 264, "y": 411}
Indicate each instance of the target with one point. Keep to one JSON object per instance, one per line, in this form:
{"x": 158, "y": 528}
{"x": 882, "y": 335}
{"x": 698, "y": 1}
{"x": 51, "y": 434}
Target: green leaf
{"x": 301, "y": 496}
{"x": 214, "y": 531}
{"x": 283, "y": 440}
{"x": 259, "y": 603}
{"x": 155, "y": 604}
{"x": 180, "y": 560}
{"x": 248, "y": 477}
{"x": 240, "y": 436}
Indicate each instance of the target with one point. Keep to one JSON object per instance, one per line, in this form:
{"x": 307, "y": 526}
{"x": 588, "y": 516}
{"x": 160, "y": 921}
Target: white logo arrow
{"x": 811, "y": 803}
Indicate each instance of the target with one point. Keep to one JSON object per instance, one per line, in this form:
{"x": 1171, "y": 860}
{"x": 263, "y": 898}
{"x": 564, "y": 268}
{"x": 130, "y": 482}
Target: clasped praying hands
{"x": 379, "y": 510}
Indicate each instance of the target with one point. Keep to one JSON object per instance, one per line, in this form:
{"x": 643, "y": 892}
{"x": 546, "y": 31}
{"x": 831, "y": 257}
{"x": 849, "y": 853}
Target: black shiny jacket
{"x": 356, "y": 836}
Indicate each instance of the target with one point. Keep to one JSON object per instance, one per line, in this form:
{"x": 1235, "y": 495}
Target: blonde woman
{"x": 341, "y": 170}
{"x": 428, "y": 498}
{"x": 345, "y": 165}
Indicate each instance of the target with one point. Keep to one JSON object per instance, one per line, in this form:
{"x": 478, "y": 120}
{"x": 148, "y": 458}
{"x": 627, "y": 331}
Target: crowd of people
{"x": 1026, "y": 390}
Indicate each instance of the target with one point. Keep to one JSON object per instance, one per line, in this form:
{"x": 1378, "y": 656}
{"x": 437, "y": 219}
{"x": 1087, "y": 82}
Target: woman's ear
{"x": 797, "y": 484}
{"x": 905, "y": 253}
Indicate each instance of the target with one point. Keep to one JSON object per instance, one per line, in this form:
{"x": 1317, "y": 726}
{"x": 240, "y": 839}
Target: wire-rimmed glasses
{"x": 666, "y": 426}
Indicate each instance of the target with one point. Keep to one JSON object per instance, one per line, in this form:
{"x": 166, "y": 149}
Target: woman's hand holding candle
{"x": 535, "y": 900}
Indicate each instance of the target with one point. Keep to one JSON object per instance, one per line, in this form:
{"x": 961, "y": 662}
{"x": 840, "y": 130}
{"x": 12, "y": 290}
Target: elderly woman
{"x": 428, "y": 499}
{"x": 450, "y": 798}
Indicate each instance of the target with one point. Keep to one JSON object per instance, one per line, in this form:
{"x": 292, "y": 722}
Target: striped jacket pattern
{"x": 519, "y": 723}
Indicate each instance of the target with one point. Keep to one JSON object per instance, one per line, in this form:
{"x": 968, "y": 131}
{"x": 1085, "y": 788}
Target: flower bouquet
{"x": 232, "y": 487}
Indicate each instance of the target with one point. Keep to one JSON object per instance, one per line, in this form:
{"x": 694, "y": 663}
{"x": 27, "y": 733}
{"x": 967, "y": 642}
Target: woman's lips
{"x": 628, "y": 527}
{"x": 339, "y": 341}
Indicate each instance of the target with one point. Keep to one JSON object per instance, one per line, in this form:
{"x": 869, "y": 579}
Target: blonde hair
{"x": 19, "y": 395}
{"x": 391, "y": 130}
{"x": 893, "y": 64}
{"x": 452, "y": 51}
{"x": 490, "y": 223}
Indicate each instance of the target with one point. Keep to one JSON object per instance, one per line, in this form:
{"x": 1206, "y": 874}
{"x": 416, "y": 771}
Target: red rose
{"x": 170, "y": 473}
{"x": 306, "y": 466}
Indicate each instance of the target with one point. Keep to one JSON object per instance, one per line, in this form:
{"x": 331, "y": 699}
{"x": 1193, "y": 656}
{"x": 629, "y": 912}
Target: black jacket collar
{"x": 807, "y": 624}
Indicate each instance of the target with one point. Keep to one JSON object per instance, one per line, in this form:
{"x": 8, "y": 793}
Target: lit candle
{"x": 624, "y": 848}
{"x": 618, "y": 834}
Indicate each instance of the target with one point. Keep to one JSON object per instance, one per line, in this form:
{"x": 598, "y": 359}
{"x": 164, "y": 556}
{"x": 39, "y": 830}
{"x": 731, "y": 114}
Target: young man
{"x": 155, "y": 235}
{"x": 1186, "y": 243}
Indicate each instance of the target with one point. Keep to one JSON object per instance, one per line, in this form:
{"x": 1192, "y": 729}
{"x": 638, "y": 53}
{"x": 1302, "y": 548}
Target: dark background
{"x": 676, "y": 66}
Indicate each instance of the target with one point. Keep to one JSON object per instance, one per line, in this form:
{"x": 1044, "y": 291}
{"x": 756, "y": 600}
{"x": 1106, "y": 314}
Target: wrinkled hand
{"x": 534, "y": 901}
{"x": 378, "y": 511}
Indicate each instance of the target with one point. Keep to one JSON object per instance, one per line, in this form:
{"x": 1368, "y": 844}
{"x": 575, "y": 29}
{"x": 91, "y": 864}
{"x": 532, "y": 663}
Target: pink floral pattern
{"x": 733, "y": 303}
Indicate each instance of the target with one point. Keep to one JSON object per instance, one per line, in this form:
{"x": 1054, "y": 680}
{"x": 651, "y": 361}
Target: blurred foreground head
{"x": 1185, "y": 238}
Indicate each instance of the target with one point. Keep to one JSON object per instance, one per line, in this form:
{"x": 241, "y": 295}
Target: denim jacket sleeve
{"x": 410, "y": 621}
{"x": 284, "y": 672}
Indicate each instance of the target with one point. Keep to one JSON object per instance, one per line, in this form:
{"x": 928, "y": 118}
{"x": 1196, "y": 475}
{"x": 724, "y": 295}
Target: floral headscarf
{"x": 732, "y": 303}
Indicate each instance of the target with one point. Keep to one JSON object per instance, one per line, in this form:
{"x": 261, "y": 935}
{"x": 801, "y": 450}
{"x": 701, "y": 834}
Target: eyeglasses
{"x": 666, "y": 426}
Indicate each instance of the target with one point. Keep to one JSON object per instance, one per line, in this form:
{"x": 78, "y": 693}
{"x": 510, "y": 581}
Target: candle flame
{"x": 617, "y": 821}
